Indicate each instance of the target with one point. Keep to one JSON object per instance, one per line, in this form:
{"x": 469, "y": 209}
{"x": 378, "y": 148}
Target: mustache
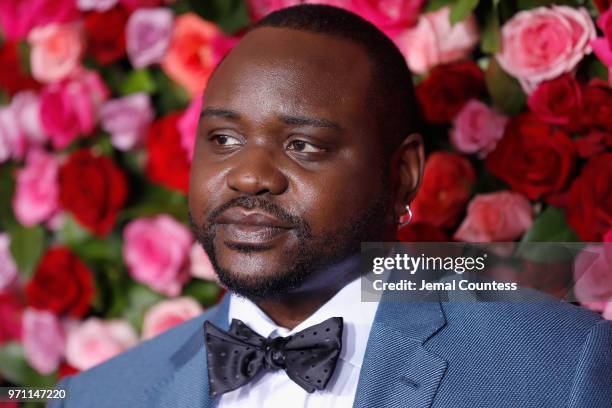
{"x": 251, "y": 203}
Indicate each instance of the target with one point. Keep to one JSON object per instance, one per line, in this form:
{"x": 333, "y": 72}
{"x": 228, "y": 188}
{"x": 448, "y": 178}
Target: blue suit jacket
{"x": 427, "y": 354}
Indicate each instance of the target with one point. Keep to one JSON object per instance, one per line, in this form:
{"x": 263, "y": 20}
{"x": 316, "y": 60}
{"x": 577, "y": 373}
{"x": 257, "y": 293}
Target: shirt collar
{"x": 358, "y": 318}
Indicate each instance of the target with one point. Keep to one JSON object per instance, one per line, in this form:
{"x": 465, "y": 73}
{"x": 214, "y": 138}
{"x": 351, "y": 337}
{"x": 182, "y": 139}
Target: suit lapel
{"x": 186, "y": 384}
{"x": 397, "y": 370}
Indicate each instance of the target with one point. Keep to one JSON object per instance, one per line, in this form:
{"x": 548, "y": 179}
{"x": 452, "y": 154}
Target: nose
{"x": 256, "y": 172}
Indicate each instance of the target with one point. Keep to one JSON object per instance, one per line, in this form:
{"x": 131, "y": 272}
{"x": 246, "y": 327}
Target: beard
{"x": 314, "y": 252}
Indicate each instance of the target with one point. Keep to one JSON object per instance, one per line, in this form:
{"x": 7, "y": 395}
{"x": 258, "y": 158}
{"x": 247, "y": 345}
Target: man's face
{"x": 286, "y": 177}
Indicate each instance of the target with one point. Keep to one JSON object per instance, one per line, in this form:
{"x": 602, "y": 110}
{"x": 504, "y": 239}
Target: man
{"x": 307, "y": 147}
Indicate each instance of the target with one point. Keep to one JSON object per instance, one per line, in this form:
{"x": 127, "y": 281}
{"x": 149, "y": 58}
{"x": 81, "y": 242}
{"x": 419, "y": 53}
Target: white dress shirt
{"x": 274, "y": 388}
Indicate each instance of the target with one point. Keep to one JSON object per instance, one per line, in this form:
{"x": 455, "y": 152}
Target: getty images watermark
{"x": 482, "y": 272}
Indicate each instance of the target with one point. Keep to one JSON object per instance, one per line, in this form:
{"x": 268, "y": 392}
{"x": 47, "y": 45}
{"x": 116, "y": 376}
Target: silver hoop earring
{"x": 406, "y": 218}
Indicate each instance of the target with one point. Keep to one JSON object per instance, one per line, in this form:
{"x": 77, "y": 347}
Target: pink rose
{"x": 190, "y": 59}
{"x": 18, "y": 17}
{"x": 36, "y": 196}
{"x": 499, "y": 216}
{"x": 477, "y": 128}
{"x": 188, "y": 126}
{"x": 43, "y": 340}
{"x": 260, "y": 8}
{"x": 56, "y": 51}
{"x": 390, "y": 16}
{"x": 200, "y": 264}
{"x": 167, "y": 314}
{"x": 148, "y": 33}
{"x": 26, "y": 109}
{"x": 602, "y": 46}
{"x": 543, "y": 43}
{"x": 127, "y": 119}
{"x": 70, "y": 107}
{"x": 96, "y": 5}
{"x": 12, "y": 139}
{"x": 593, "y": 276}
{"x": 435, "y": 41}
{"x": 8, "y": 269}
{"x": 135, "y": 4}
{"x": 156, "y": 252}
{"x": 95, "y": 341}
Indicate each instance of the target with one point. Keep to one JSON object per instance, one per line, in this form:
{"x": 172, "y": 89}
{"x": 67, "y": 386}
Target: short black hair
{"x": 391, "y": 90}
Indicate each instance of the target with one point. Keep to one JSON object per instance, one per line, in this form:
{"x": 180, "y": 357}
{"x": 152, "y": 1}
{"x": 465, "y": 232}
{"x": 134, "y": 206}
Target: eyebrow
{"x": 287, "y": 119}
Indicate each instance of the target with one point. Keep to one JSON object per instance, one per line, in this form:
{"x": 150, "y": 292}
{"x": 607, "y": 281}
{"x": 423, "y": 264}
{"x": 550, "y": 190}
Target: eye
{"x": 226, "y": 140}
{"x": 303, "y": 147}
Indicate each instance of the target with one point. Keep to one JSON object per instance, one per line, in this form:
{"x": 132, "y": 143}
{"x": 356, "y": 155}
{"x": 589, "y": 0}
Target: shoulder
{"x": 122, "y": 379}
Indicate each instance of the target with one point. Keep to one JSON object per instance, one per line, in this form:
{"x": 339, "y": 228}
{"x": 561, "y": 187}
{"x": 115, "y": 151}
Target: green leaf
{"x": 72, "y": 233}
{"x": 205, "y": 292}
{"x": 27, "y": 245}
{"x": 7, "y": 189}
{"x": 550, "y": 226}
{"x": 505, "y": 91}
{"x": 461, "y": 9}
{"x": 434, "y": 5}
{"x": 140, "y": 298}
{"x": 490, "y": 37}
{"x": 170, "y": 96}
{"x": 15, "y": 368}
{"x": 138, "y": 81}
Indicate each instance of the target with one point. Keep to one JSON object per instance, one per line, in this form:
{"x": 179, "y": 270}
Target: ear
{"x": 407, "y": 164}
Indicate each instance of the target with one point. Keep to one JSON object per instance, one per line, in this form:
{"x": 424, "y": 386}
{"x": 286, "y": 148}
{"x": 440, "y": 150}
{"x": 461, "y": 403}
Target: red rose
{"x": 557, "y": 101}
{"x": 11, "y": 310}
{"x": 419, "y": 232}
{"x": 593, "y": 143}
{"x": 447, "y": 88}
{"x": 106, "y": 34}
{"x": 167, "y": 162}
{"x": 534, "y": 158}
{"x": 12, "y": 78}
{"x": 589, "y": 201}
{"x": 93, "y": 189}
{"x": 597, "y": 106}
{"x": 446, "y": 188}
{"x": 61, "y": 284}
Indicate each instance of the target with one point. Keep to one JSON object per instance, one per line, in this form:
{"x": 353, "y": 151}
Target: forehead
{"x": 280, "y": 70}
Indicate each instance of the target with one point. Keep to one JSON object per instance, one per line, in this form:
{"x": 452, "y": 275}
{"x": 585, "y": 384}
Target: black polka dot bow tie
{"x": 238, "y": 355}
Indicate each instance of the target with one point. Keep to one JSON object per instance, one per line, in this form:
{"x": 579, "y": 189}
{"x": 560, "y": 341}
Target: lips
{"x": 251, "y": 227}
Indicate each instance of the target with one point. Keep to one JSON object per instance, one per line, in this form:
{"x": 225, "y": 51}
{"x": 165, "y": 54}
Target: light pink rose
{"x": 127, "y": 119}
{"x": 148, "y": 35}
{"x": 36, "y": 196}
{"x": 95, "y": 341}
{"x": 56, "y": 51}
{"x": 8, "y": 269}
{"x": 26, "y": 109}
{"x": 70, "y": 107}
{"x": 477, "y": 128}
{"x": 200, "y": 264}
{"x": 434, "y": 41}
{"x": 499, "y": 216}
{"x": 96, "y": 5}
{"x": 167, "y": 314}
{"x": 543, "y": 43}
{"x": 18, "y": 17}
{"x": 188, "y": 126}
{"x": 593, "y": 276}
{"x": 44, "y": 340}
{"x": 156, "y": 252}
{"x": 12, "y": 139}
{"x": 191, "y": 59}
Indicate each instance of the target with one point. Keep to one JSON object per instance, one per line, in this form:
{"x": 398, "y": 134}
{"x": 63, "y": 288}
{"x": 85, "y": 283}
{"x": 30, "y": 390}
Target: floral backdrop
{"x": 99, "y": 106}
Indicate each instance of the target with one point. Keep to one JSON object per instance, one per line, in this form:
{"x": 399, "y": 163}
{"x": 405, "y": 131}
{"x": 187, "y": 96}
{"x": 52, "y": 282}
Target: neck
{"x": 292, "y": 309}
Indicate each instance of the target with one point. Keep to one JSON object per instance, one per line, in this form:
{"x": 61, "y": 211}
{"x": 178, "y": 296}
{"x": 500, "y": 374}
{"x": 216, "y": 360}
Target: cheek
{"x": 205, "y": 184}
